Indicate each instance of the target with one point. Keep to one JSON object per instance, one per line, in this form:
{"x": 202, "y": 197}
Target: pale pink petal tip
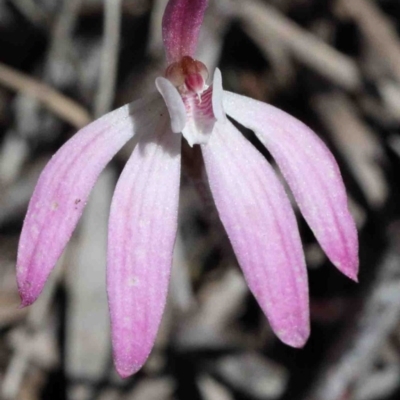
{"x": 27, "y": 295}
{"x": 348, "y": 266}
{"x": 311, "y": 172}
{"x": 296, "y": 337}
{"x": 126, "y": 371}
{"x": 127, "y": 366}
{"x": 181, "y": 26}
{"x": 295, "y": 330}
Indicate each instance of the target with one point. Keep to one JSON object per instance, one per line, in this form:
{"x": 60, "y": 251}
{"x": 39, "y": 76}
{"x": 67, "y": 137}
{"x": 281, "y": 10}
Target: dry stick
{"x": 390, "y": 93}
{"x": 211, "y": 389}
{"x": 129, "y": 7}
{"x": 54, "y": 73}
{"x": 378, "y": 30}
{"x": 59, "y": 104}
{"x": 109, "y": 59}
{"x": 262, "y": 21}
{"x": 378, "y": 319}
{"x": 71, "y": 112}
{"x": 211, "y": 37}
{"x": 356, "y": 142}
{"x": 87, "y": 325}
{"x": 31, "y": 11}
{"x": 61, "y": 41}
{"x": 38, "y": 314}
{"x": 155, "y": 46}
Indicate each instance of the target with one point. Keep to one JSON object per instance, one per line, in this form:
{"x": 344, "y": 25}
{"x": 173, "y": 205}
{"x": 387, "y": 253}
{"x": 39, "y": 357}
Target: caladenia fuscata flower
{"x": 251, "y": 201}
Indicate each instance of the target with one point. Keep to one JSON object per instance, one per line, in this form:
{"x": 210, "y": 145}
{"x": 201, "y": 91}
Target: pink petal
{"x": 64, "y": 186}
{"x": 142, "y": 230}
{"x": 262, "y": 228}
{"x": 181, "y": 26}
{"x": 312, "y": 173}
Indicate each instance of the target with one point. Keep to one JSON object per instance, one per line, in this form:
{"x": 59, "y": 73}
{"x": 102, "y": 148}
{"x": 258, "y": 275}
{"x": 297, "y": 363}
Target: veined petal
{"x": 64, "y": 186}
{"x": 262, "y": 228}
{"x": 142, "y": 230}
{"x": 312, "y": 174}
{"x": 181, "y": 26}
{"x": 174, "y": 103}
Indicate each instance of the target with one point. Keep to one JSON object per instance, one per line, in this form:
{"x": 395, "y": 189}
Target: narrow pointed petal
{"x": 181, "y": 27}
{"x": 63, "y": 189}
{"x": 142, "y": 230}
{"x": 312, "y": 173}
{"x": 262, "y": 228}
{"x": 174, "y": 103}
{"x": 217, "y": 97}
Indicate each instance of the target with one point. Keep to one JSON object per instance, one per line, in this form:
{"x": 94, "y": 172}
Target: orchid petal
{"x": 63, "y": 189}
{"x": 217, "y": 97}
{"x": 142, "y": 230}
{"x": 262, "y": 228}
{"x": 174, "y": 102}
{"x": 181, "y": 26}
{"x": 312, "y": 174}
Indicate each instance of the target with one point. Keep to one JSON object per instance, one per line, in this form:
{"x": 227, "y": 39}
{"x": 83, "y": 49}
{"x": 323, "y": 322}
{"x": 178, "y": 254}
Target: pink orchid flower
{"x": 251, "y": 201}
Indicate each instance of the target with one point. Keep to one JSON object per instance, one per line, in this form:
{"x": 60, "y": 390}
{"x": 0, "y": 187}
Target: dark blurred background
{"x": 334, "y": 64}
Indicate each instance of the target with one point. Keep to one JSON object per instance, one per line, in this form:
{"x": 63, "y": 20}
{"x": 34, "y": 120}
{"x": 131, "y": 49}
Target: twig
{"x": 22, "y": 357}
{"x": 262, "y": 21}
{"x": 155, "y": 46}
{"x": 129, "y": 7}
{"x": 61, "y": 105}
{"x": 357, "y": 143}
{"x": 378, "y": 319}
{"x": 55, "y": 65}
{"x": 378, "y": 30}
{"x": 109, "y": 59}
{"x": 31, "y": 11}
{"x": 88, "y": 336}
